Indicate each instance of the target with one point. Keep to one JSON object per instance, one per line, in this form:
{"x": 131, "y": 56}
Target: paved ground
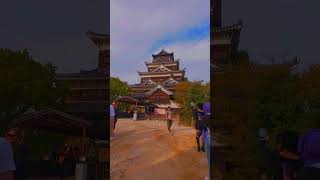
{"x": 144, "y": 150}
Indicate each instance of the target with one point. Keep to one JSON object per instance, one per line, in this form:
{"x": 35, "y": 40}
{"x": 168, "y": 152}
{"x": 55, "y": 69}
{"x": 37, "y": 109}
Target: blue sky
{"x": 144, "y": 27}
{"x": 196, "y": 32}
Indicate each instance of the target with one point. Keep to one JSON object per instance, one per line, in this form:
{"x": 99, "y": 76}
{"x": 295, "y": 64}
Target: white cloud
{"x": 194, "y": 55}
{"x": 136, "y": 25}
{"x": 196, "y": 50}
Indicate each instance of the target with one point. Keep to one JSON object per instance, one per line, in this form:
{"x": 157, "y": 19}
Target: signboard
{"x": 159, "y": 111}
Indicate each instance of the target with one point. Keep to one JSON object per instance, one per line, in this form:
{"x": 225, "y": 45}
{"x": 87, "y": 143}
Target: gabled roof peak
{"x": 170, "y": 80}
{"x": 162, "y": 53}
{"x": 161, "y": 88}
{"x": 149, "y": 81}
{"x": 162, "y": 68}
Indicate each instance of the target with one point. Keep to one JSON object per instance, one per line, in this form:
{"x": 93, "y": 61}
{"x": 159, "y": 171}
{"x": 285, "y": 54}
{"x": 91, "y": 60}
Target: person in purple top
{"x": 206, "y": 130}
{"x": 7, "y": 165}
{"x": 207, "y": 113}
{"x": 309, "y": 150}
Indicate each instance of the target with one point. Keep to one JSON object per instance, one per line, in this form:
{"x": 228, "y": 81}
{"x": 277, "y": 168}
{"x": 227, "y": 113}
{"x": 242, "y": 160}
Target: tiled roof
{"x": 83, "y": 107}
{"x": 159, "y": 87}
{"x": 164, "y": 63}
{"x": 235, "y": 27}
{"x": 92, "y": 34}
{"x": 84, "y": 75}
{"x": 45, "y": 114}
{"x": 138, "y": 95}
{"x": 162, "y": 72}
{"x": 151, "y": 85}
{"x": 162, "y": 53}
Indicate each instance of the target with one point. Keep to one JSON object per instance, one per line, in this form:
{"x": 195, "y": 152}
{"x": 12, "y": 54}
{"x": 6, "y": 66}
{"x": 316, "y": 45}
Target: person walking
{"x": 206, "y": 133}
{"x": 199, "y": 125}
{"x": 116, "y": 113}
{"x": 169, "y": 118}
{"x": 7, "y": 165}
{"x": 270, "y": 167}
{"x": 112, "y": 114}
{"x": 15, "y": 137}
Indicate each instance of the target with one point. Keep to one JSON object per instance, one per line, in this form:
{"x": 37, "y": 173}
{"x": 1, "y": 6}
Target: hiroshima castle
{"x": 157, "y": 85}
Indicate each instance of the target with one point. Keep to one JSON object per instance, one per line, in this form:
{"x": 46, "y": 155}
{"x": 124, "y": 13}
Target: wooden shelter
{"x": 53, "y": 121}
{"x": 131, "y": 100}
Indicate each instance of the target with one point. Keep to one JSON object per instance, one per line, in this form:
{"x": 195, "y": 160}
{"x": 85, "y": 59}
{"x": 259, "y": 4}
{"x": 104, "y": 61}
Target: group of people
{"x": 13, "y": 155}
{"x": 66, "y": 160}
{"x": 202, "y": 116}
{"x": 296, "y": 157}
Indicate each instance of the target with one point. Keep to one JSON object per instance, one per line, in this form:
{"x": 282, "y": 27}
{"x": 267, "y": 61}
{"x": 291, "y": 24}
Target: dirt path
{"x": 144, "y": 150}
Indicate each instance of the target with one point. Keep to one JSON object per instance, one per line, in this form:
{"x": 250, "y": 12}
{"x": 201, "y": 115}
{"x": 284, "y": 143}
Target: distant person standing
{"x": 15, "y": 137}
{"x": 116, "y": 113}
{"x": 7, "y": 165}
{"x": 147, "y": 112}
{"x": 169, "y": 118}
{"x": 112, "y": 114}
{"x": 135, "y": 113}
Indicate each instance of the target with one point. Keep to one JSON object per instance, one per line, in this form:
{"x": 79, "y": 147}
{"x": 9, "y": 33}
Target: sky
{"x": 55, "y": 30}
{"x": 273, "y": 28}
{"x": 141, "y": 28}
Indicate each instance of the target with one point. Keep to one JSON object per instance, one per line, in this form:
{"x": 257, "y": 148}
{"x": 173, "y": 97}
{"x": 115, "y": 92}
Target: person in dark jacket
{"x": 270, "y": 159}
{"x": 147, "y": 112}
{"x": 287, "y": 143}
{"x": 116, "y": 113}
{"x": 309, "y": 150}
{"x": 200, "y": 124}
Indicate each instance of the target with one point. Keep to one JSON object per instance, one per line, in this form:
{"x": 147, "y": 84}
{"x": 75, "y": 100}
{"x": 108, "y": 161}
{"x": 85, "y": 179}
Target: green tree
{"x": 26, "y": 83}
{"x": 191, "y": 92}
{"x": 119, "y": 88}
{"x": 248, "y": 97}
{"x": 233, "y": 111}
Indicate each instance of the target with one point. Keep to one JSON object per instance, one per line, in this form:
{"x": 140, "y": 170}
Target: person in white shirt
{"x": 169, "y": 118}
{"x": 7, "y": 166}
{"x": 112, "y": 114}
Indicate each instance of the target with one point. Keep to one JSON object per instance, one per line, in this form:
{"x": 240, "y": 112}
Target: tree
{"x": 25, "y": 83}
{"x": 191, "y": 92}
{"x": 118, "y": 88}
{"x": 248, "y": 97}
{"x": 233, "y": 111}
